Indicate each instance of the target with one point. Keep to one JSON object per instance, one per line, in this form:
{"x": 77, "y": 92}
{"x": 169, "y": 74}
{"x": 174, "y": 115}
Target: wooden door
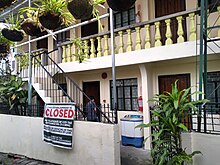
{"x": 165, "y": 85}
{"x": 92, "y": 89}
{"x": 166, "y": 7}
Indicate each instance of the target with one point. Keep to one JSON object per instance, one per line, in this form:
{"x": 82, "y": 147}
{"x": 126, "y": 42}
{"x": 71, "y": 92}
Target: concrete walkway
{"x": 134, "y": 156}
{"x": 129, "y": 156}
{"x": 13, "y": 159}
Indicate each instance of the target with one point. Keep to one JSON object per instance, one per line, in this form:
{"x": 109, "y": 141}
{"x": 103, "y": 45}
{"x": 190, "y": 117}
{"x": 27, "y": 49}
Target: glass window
{"x": 126, "y": 93}
{"x": 213, "y": 92}
{"x": 124, "y": 18}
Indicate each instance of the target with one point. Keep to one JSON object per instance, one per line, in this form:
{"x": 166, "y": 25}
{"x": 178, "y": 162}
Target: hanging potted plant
{"x": 83, "y": 9}
{"x": 5, "y": 3}
{"x": 13, "y": 32}
{"x": 120, "y": 5}
{"x": 30, "y": 24}
{"x": 4, "y": 45}
{"x": 52, "y": 13}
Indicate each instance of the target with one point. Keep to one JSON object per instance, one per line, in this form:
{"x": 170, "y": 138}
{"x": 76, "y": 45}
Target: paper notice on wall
{"x": 58, "y": 124}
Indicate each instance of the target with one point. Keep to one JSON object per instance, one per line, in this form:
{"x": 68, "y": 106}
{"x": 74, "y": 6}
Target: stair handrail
{"x": 45, "y": 52}
{"x": 54, "y": 80}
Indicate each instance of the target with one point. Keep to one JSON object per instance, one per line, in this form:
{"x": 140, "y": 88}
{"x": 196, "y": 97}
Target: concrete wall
{"x": 94, "y": 143}
{"x": 208, "y": 144}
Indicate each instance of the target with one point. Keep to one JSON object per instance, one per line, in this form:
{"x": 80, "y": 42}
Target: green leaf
{"x": 183, "y": 127}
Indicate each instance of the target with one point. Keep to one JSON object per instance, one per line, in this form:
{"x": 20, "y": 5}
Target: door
{"x": 43, "y": 43}
{"x": 91, "y": 89}
{"x": 89, "y": 29}
{"x": 165, "y": 83}
{"x": 166, "y": 7}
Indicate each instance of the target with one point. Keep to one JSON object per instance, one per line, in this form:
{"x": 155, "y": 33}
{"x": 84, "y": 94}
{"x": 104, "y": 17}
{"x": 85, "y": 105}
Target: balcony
{"x": 166, "y": 38}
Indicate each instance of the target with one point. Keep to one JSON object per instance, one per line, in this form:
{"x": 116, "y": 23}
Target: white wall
{"x": 208, "y": 144}
{"x": 94, "y": 143}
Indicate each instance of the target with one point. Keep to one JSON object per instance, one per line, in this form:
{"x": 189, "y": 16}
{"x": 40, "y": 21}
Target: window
{"x": 213, "y": 92}
{"x": 127, "y": 94}
{"x": 124, "y": 18}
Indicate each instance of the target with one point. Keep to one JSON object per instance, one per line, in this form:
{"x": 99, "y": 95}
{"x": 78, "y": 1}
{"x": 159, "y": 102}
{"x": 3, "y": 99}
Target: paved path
{"x": 134, "y": 156}
{"x": 12, "y": 159}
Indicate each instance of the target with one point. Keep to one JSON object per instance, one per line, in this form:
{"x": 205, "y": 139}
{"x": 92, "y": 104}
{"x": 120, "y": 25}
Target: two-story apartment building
{"x": 156, "y": 42}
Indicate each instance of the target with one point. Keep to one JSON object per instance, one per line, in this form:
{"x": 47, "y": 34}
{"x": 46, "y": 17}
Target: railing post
{"x": 138, "y": 38}
{"x": 129, "y": 41}
{"x": 92, "y": 49}
{"x": 64, "y": 56}
{"x": 147, "y": 38}
{"x": 69, "y": 54}
{"x": 86, "y": 50}
{"x": 192, "y": 36}
{"x": 99, "y": 48}
{"x": 180, "y": 32}
{"x": 157, "y": 34}
{"x": 106, "y": 46}
{"x": 168, "y": 33}
{"x": 74, "y": 52}
{"x": 121, "y": 42}
{"x": 60, "y": 54}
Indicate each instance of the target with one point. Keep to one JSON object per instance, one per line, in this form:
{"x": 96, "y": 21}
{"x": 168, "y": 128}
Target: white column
{"x": 145, "y": 85}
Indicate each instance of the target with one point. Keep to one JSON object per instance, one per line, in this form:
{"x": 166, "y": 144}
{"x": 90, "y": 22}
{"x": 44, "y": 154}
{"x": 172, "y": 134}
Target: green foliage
{"x": 80, "y": 48}
{"x": 168, "y": 114}
{"x": 13, "y": 93}
{"x": 14, "y": 23}
{"x": 23, "y": 60}
{"x": 51, "y": 6}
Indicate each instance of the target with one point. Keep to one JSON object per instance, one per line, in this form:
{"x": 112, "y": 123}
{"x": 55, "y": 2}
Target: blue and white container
{"x": 129, "y": 134}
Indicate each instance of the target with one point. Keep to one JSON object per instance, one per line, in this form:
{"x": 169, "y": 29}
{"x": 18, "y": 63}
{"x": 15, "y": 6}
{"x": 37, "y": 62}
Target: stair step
{"x": 63, "y": 99}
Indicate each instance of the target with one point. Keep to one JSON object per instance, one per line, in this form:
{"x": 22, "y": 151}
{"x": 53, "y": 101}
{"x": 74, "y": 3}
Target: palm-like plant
{"x": 13, "y": 32}
{"x": 167, "y": 123}
{"x": 30, "y": 23}
{"x": 51, "y": 13}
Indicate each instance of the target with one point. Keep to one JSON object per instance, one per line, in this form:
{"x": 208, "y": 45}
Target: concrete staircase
{"x": 47, "y": 88}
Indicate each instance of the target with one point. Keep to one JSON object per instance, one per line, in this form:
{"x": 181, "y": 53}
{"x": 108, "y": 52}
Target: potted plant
{"x": 83, "y": 9}
{"x": 4, "y": 45}
{"x": 167, "y": 125}
{"x": 13, "y": 32}
{"x": 31, "y": 24}
{"x": 80, "y": 47}
{"x": 120, "y": 5}
{"x": 5, "y": 3}
{"x": 52, "y": 13}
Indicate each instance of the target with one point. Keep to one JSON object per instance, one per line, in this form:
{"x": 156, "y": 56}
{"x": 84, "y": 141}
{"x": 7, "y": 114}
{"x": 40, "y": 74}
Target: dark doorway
{"x": 165, "y": 83}
{"x": 89, "y": 29}
{"x": 43, "y": 43}
{"x": 92, "y": 89}
{"x": 166, "y": 7}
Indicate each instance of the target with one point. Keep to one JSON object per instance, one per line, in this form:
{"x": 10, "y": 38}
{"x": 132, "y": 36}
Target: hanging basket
{"x": 31, "y": 28}
{"x": 120, "y": 5}
{"x": 80, "y": 9}
{"x": 4, "y": 48}
{"x": 50, "y": 21}
{"x": 13, "y": 35}
{"x": 5, "y": 3}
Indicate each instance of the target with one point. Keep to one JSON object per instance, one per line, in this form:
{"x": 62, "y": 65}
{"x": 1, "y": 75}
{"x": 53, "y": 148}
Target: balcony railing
{"x": 175, "y": 28}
